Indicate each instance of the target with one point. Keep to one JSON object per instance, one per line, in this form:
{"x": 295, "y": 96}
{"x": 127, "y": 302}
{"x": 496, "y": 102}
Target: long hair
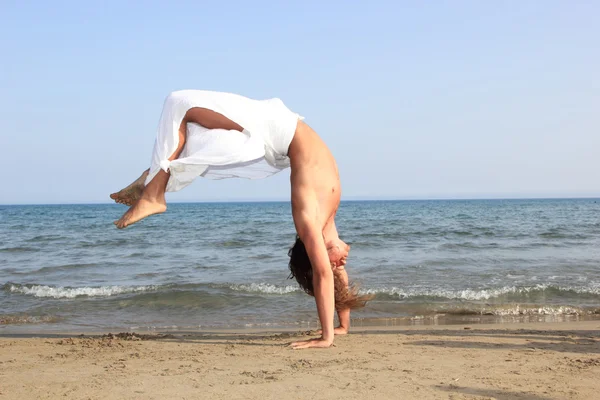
{"x": 301, "y": 269}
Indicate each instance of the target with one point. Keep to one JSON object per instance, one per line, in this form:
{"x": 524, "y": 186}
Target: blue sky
{"x": 443, "y": 99}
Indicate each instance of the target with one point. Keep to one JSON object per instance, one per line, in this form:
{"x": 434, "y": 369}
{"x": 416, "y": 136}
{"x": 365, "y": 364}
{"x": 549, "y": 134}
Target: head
{"x": 346, "y": 296}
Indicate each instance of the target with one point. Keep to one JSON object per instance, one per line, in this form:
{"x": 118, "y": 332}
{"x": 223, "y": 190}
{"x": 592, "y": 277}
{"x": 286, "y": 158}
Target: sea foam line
{"x": 519, "y": 310}
{"x": 479, "y": 294}
{"x": 70, "y": 292}
{"x": 266, "y": 288}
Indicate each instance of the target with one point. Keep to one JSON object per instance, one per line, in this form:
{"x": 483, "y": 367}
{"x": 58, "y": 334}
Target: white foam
{"x": 477, "y": 294}
{"x": 546, "y": 310}
{"x": 266, "y": 288}
{"x": 69, "y": 293}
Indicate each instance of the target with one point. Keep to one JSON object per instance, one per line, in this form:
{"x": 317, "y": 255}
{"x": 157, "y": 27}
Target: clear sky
{"x": 437, "y": 99}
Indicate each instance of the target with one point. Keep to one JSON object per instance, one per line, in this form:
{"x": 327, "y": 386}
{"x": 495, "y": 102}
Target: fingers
{"x": 312, "y": 343}
{"x": 339, "y": 265}
{"x": 300, "y": 343}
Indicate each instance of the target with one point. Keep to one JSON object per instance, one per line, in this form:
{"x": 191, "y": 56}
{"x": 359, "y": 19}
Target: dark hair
{"x": 301, "y": 269}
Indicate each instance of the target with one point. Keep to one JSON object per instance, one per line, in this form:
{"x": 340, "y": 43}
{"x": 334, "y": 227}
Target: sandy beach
{"x": 513, "y": 361}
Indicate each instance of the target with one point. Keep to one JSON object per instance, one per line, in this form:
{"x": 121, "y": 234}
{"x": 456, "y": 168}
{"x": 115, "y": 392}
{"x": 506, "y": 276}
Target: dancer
{"x": 222, "y": 135}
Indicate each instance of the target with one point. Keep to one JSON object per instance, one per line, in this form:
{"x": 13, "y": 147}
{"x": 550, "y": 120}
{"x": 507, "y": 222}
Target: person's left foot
{"x": 132, "y": 193}
{"x": 140, "y": 210}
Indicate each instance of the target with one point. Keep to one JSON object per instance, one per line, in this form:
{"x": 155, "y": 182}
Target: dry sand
{"x": 524, "y": 361}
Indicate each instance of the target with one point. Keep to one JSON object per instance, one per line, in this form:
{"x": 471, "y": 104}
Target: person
{"x": 223, "y": 135}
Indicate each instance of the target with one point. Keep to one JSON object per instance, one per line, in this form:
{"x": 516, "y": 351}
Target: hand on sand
{"x": 311, "y": 343}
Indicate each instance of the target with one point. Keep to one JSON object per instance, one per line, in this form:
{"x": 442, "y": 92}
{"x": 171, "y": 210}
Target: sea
{"x": 217, "y": 266}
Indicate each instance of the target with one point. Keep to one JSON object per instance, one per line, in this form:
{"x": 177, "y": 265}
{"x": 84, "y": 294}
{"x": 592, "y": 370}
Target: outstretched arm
{"x": 322, "y": 283}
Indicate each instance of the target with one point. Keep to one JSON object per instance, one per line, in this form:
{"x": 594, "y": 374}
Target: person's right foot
{"x": 132, "y": 193}
{"x": 142, "y": 209}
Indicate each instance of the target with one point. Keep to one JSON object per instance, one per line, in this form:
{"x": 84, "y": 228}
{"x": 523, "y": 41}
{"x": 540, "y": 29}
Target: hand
{"x": 312, "y": 343}
{"x": 339, "y": 266}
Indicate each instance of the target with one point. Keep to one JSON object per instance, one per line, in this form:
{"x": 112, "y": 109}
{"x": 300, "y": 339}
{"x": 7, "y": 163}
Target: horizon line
{"x": 357, "y": 199}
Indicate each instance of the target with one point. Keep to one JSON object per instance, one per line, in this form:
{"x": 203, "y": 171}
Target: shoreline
{"x": 581, "y": 324}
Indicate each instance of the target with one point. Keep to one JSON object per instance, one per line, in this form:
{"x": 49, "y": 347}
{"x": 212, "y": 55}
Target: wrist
{"x": 327, "y": 342}
{"x": 327, "y": 336}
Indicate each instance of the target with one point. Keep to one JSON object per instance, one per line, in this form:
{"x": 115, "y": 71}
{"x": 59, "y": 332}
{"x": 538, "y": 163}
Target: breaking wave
{"x": 72, "y": 292}
{"x": 266, "y": 288}
{"x": 488, "y": 294}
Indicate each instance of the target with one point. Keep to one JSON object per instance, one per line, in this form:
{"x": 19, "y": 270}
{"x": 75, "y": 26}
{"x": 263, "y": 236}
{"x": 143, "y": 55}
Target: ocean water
{"x": 224, "y": 265}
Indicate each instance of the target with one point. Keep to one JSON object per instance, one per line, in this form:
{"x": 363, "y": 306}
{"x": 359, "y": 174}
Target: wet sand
{"x": 511, "y": 361}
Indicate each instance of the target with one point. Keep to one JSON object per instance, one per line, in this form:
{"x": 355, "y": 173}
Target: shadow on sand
{"x": 491, "y": 393}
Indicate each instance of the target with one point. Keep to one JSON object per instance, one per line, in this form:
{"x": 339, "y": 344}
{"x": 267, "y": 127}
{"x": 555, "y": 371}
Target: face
{"x": 338, "y": 252}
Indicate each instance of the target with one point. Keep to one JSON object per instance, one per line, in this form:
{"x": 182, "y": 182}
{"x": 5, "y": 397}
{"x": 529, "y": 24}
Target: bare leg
{"x": 152, "y": 198}
{"x": 132, "y": 193}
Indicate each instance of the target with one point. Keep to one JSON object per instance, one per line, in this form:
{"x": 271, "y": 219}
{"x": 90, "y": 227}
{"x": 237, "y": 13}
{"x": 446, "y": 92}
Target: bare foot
{"x": 140, "y": 210}
{"x": 132, "y": 193}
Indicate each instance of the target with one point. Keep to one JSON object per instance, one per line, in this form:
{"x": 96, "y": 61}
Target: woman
{"x": 221, "y": 135}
